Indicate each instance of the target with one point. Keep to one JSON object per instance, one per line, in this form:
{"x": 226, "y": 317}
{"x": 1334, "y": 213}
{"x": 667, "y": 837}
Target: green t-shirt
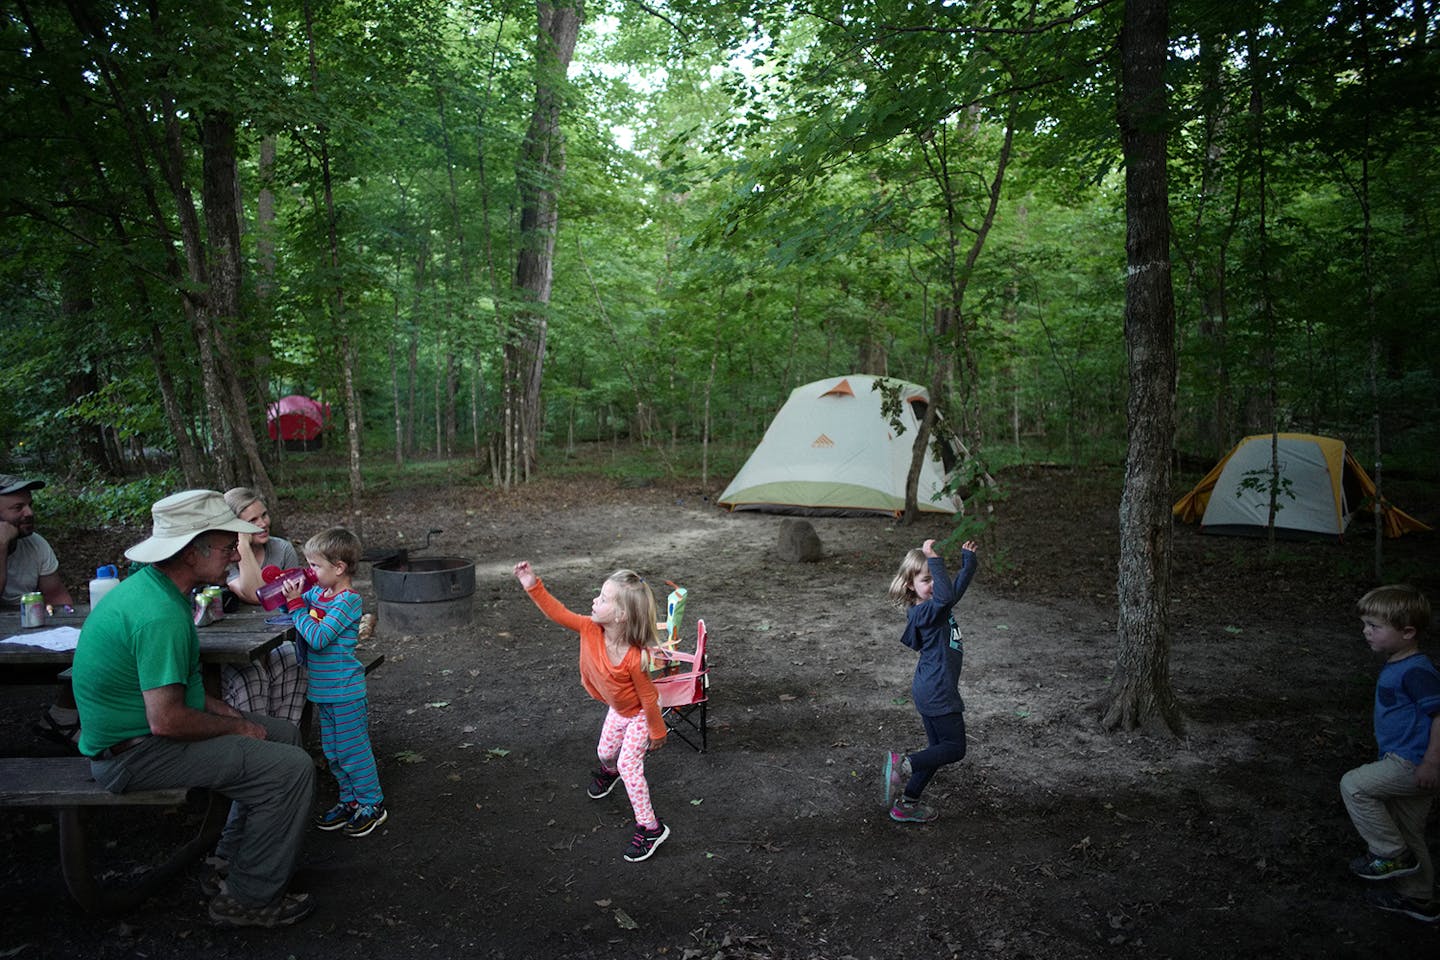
{"x": 140, "y": 638}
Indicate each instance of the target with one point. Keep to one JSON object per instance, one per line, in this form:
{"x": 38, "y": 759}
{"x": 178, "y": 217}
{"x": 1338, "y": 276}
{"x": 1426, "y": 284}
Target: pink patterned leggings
{"x": 625, "y": 738}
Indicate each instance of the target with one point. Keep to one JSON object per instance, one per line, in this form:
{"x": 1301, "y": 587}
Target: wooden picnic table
{"x": 239, "y": 638}
{"x": 63, "y": 784}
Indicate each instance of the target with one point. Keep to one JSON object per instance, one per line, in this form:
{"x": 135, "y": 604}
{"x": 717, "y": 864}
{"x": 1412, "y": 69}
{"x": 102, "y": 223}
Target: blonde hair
{"x": 902, "y": 588}
{"x": 336, "y": 545}
{"x": 239, "y": 498}
{"x": 637, "y": 603}
{"x": 1398, "y": 604}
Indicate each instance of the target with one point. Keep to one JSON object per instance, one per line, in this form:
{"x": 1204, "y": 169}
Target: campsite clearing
{"x": 1056, "y": 839}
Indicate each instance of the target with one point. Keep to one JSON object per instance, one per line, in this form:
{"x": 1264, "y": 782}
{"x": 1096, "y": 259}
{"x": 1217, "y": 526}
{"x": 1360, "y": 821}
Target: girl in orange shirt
{"x": 613, "y": 639}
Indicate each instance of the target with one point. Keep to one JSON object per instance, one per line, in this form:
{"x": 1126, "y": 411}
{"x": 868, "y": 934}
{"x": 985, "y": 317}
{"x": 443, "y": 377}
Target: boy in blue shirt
{"x": 1389, "y": 799}
{"x": 327, "y": 617}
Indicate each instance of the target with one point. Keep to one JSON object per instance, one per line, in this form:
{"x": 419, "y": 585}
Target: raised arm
{"x": 947, "y": 591}
{"x": 248, "y": 578}
{"x": 343, "y": 614}
{"x": 553, "y": 609}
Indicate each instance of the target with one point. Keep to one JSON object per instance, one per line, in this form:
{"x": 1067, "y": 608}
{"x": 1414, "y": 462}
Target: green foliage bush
{"x": 94, "y": 502}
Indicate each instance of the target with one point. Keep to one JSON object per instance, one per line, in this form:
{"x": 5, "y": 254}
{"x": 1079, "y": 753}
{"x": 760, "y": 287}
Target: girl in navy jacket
{"x": 927, "y": 593}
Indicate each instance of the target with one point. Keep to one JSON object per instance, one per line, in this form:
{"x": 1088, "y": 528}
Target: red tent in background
{"x": 297, "y": 419}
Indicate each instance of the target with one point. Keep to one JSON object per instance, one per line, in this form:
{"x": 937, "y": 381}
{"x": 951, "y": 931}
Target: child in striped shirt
{"x": 327, "y": 617}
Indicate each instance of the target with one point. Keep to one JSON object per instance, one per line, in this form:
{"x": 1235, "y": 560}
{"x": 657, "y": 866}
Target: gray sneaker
{"x": 284, "y": 910}
{"x": 912, "y": 811}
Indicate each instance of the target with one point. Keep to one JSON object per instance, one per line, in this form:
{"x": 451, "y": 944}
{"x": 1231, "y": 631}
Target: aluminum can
{"x": 32, "y": 609}
{"x": 217, "y": 603}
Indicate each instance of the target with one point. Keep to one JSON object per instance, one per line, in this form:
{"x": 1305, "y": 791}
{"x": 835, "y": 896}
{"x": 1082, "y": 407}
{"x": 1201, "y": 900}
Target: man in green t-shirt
{"x": 146, "y": 721}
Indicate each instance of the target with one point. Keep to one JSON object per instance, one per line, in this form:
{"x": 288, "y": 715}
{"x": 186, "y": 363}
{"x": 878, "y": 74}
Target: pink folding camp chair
{"x": 684, "y": 695}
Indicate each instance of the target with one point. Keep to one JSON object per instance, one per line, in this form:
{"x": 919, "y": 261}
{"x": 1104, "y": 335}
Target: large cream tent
{"x": 831, "y": 450}
{"x": 1322, "y": 486}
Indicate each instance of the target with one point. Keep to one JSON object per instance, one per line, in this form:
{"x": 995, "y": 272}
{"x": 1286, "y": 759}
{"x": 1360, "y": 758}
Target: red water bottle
{"x": 271, "y": 592}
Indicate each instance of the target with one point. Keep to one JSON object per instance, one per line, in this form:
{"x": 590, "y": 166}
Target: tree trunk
{"x": 1256, "y": 64}
{"x": 1209, "y": 268}
{"x": 1140, "y": 696}
{"x": 412, "y": 355}
{"x": 395, "y": 393}
{"x": 189, "y": 463}
{"x": 264, "y": 282}
{"x": 222, "y": 226}
{"x": 352, "y": 433}
{"x": 539, "y": 169}
{"x": 339, "y": 320}
{"x": 1367, "y": 261}
{"x": 951, "y": 336}
{"x": 452, "y": 391}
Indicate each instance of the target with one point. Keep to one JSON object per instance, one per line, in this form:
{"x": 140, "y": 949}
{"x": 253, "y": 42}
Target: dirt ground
{"x": 1056, "y": 839}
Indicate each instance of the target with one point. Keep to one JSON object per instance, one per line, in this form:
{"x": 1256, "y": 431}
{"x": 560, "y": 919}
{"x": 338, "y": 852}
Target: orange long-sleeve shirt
{"x": 624, "y": 686}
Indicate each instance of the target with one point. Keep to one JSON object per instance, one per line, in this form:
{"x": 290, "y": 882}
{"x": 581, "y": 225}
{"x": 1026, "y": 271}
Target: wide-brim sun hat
{"x": 180, "y": 518}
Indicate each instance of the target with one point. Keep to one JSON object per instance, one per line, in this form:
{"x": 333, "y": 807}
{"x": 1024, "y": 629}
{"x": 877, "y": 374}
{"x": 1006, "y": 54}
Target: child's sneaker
{"x": 602, "y": 781}
{"x": 336, "y": 817}
{"x": 912, "y": 811}
{"x": 1427, "y": 911}
{"x": 365, "y": 819}
{"x": 1374, "y": 867}
{"x": 897, "y": 772}
{"x": 645, "y": 841}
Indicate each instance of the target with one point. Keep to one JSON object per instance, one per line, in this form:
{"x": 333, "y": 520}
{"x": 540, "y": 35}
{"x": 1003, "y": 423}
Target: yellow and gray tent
{"x": 1322, "y": 486}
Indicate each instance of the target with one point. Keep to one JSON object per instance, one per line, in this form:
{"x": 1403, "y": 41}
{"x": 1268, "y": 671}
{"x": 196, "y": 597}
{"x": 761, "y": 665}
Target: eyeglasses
{"x": 227, "y": 548}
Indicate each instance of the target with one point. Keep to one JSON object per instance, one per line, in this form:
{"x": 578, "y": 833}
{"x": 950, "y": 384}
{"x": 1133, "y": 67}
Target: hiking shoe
{"x": 897, "y": 771}
{"x": 1424, "y": 910}
{"x": 645, "y": 841}
{"x": 365, "y": 819}
{"x": 284, "y": 910}
{"x": 1374, "y": 867}
{"x": 602, "y": 781}
{"x": 912, "y": 811}
{"x": 336, "y": 817}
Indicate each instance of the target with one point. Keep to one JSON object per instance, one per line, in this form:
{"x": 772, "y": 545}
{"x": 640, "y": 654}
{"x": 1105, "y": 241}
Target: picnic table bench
{"x": 64, "y": 785}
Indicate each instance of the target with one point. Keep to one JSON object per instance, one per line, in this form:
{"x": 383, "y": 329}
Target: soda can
{"x": 217, "y": 603}
{"x": 32, "y": 609}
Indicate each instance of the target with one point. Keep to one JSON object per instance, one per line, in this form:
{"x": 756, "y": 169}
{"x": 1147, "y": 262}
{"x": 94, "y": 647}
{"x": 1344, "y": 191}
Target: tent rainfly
{"x": 1321, "y": 487}
{"x": 831, "y": 451}
{"x": 296, "y": 419}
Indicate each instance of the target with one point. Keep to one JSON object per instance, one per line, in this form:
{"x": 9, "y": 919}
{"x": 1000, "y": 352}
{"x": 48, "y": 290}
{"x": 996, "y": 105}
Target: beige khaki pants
{"x": 1389, "y": 811}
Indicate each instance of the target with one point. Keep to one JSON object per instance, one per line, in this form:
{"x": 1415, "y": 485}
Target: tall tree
{"x": 540, "y": 168}
{"x": 1140, "y": 696}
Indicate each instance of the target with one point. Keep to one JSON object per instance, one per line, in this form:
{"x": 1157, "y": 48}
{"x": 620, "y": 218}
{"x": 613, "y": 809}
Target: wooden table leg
{"x": 97, "y": 898}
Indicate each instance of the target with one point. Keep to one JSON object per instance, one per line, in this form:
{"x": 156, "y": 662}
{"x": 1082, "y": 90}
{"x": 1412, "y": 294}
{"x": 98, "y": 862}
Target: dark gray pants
{"x": 273, "y": 780}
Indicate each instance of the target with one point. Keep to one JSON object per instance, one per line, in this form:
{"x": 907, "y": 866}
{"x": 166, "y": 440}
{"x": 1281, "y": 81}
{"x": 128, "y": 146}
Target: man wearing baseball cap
{"x": 146, "y": 721}
{"x": 30, "y": 563}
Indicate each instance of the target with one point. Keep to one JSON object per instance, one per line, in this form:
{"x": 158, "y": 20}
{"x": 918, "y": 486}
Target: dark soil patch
{"x": 1057, "y": 839}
